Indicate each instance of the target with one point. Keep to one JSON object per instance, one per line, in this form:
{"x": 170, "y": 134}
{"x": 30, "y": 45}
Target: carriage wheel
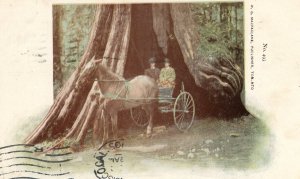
{"x": 184, "y": 111}
{"x": 139, "y": 116}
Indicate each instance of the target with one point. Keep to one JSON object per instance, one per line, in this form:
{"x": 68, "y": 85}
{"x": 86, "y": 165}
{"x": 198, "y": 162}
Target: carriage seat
{"x": 165, "y": 95}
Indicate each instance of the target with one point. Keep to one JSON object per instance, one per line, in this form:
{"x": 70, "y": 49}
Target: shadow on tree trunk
{"x": 126, "y": 36}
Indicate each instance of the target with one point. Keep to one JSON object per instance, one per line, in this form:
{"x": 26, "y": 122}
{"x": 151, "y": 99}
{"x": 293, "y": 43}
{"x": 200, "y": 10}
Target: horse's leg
{"x": 114, "y": 122}
{"x": 101, "y": 127}
{"x": 105, "y": 127}
{"x": 149, "y": 110}
{"x": 96, "y": 131}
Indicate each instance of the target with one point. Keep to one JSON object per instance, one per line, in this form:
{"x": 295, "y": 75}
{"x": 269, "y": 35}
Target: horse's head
{"x": 91, "y": 65}
{"x": 97, "y": 62}
{"x": 100, "y": 70}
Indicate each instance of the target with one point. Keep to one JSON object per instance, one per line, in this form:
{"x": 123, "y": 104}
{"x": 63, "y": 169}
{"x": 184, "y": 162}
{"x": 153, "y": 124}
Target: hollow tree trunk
{"x": 126, "y": 36}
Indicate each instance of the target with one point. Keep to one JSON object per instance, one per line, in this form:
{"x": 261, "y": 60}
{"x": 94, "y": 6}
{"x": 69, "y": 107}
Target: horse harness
{"x": 116, "y": 94}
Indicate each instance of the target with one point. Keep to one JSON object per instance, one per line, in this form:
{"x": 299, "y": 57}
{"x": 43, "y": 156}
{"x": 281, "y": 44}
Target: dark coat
{"x": 153, "y": 73}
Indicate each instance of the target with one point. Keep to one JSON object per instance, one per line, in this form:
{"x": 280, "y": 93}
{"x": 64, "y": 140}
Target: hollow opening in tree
{"x": 126, "y": 36}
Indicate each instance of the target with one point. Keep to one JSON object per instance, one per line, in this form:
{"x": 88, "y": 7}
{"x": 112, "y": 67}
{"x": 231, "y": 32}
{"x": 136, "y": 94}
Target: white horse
{"x": 120, "y": 94}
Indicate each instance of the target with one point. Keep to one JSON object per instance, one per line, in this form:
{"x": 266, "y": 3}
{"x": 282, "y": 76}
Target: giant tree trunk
{"x": 126, "y": 36}
{"x": 70, "y": 104}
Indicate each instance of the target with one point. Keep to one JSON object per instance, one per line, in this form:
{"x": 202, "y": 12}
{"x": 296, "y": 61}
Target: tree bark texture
{"x": 125, "y": 36}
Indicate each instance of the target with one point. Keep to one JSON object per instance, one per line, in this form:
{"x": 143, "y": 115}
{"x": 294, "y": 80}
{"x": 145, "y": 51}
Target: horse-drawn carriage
{"x": 140, "y": 96}
{"x": 182, "y": 107}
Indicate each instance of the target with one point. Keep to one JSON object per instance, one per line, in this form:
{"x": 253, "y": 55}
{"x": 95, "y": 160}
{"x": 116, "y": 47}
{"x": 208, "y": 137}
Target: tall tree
{"x": 125, "y": 36}
{"x": 57, "y": 66}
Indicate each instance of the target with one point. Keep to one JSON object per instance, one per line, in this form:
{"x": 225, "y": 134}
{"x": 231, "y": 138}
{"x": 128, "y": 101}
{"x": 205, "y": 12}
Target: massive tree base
{"x": 125, "y": 37}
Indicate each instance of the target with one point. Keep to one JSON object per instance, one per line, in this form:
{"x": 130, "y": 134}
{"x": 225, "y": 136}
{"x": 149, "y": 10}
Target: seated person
{"x": 152, "y": 72}
{"x": 167, "y": 76}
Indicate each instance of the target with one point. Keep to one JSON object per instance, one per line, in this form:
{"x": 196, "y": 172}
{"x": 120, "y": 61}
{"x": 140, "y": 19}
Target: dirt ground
{"x": 239, "y": 143}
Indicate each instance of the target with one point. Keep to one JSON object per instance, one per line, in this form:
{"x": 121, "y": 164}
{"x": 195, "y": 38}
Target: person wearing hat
{"x": 167, "y": 75}
{"x": 152, "y": 72}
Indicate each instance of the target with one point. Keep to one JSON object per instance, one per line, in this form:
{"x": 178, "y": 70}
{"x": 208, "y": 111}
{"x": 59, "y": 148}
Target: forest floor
{"x": 240, "y": 144}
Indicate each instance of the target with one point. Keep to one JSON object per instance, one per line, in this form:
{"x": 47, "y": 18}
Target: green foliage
{"x": 221, "y": 30}
{"x": 214, "y": 42}
{"x": 73, "y": 23}
{"x": 76, "y": 22}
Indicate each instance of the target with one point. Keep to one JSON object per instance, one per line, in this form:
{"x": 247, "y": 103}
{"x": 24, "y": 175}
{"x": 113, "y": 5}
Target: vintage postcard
{"x": 129, "y": 89}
